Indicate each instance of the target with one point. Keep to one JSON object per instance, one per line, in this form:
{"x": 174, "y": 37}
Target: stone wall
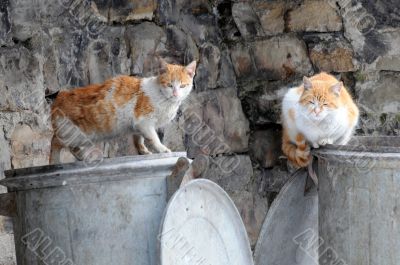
{"x": 249, "y": 53}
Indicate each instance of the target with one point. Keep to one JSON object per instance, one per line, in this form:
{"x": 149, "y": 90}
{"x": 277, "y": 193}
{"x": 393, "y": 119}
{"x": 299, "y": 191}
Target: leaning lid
{"x": 201, "y": 225}
{"x": 291, "y": 226}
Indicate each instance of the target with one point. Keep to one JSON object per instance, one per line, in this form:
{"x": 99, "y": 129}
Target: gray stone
{"x": 281, "y": 57}
{"x": 173, "y": 134}
{"x": 181, "y": 47}
{"x": 24, "y": 19}
{"x": 378, "y": 124}
{"x": 5, "y": 24}
{"x": 272, "y": 180}
{"x": 380, "y": 94}
{"x": 69, "y": 47}
{"x": 214, "y": 123}
{"x": 201, "y": 28}
{"x": 271, "y": 16}
{"x": 242, "y": 61}
{"x": 364, "y": 30}
{"x": 232, "y": 173}
{"x": 29, "y": 147}
{"x": 262, "y": 100}
{"x": 331, "y": 54}
{"x": 314, "y": 15}
{"x": 390, "y": 61}
{"x": 125, "y": 11}
{"x": 246, "y": 20}
{"x": 235, "y": 174}
{"x": 108, "y": 56}
{"x": 265, "y": 147}
{"x": 207, "y": 72}
{"x": 253, "y": 209}
{"x": 7, "y": 254}
{"x": 227, "y": 77}
{"x": 22, "y": 87}
{"x": 145, "y": 40}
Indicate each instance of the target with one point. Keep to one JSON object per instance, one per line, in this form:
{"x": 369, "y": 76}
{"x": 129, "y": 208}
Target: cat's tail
{"x": 297, "y": 153}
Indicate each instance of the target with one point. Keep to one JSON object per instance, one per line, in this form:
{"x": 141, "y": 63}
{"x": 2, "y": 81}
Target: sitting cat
{"x": 123, "y": 104}
{"x": 319, "y": 112}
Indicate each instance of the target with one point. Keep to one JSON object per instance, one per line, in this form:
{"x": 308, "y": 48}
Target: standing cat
{"x": 318, "y": 112}
{"x": 123, "y": 104}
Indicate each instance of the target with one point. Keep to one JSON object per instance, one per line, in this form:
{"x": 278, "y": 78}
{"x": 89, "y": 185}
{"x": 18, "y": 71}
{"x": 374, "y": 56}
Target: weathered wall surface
{"x": 249, "y": 53}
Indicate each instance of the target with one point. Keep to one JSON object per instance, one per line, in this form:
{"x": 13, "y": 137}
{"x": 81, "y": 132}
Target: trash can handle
{"x": 8, "y": 205}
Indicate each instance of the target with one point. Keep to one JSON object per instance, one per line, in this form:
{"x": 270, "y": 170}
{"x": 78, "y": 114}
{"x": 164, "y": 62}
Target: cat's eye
{"x": 183, "y": 86}
{"x": 169, "y": 85}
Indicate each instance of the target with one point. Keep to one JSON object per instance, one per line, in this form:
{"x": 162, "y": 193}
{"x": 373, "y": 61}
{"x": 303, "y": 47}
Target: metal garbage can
{"x": 359, "y": 202}
{"x": 72, "y": 214}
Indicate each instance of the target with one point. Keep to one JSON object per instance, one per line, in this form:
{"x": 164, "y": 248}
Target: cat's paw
{"x": 325, "y": 141}
{"x": 164, "y": 149}
{"x": 144, "y": 152}
{"x": 167, "y": 150}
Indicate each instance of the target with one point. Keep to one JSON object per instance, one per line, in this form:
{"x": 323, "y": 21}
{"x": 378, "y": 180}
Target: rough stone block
{"x": 234, "y": 174}
{"x": 242, "y": 61}
{"x": 253, "y": 209}
{"x": 380, "y": 94}
{"x": 271, "y": 16}
{"x": 390, "y": 60}
{"x": 208, "y": 69}
{"x": 125, "y": 11}
{"x": 265, "y": 147}
{"x": 262, "y": 101}
{"x": 214, "y": 123}
{"x": 246, "y": 20}
{"x": 29, "y": 147}
{"x": 21, "y": 87}
{"x": 7, "y": 254}
{"x": 145, "y": 40}
{"x": 281, "y": 57}
{"x": 314, "y": 15}
{"x": 331, "y": 54}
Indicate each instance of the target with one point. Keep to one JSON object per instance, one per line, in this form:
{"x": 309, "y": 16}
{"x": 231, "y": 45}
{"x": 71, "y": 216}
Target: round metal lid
{"x": 202, "y": 226}
{"x": 289, "y": 235}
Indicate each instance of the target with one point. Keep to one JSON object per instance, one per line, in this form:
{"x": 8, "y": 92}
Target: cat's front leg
{"x": 140, "y": 146}
{"x": 149, "y": 132}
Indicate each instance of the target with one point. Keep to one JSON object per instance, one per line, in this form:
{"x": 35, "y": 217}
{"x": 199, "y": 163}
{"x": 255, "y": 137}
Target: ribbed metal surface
{"x": 359, "y": 202}
{"x": 109, "y": 214}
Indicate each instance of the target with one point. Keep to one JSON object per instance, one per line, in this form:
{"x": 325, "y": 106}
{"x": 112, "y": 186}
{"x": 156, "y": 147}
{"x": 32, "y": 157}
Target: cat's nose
{"x": 175, "y": 93}
{"x": 317, "y": 111}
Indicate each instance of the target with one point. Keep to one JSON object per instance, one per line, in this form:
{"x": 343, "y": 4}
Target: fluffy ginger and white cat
{"x": 318, "y": 112}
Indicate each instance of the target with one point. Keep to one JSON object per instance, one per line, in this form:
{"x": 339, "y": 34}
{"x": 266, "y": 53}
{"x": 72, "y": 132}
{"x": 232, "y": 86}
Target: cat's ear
{"x": 307, "y": 83}
{"x": 191, "y": 68}
{"x": 336, "y": 88}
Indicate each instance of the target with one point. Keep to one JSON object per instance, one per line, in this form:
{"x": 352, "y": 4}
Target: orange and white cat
{"x": 124, "y": 104}
{"x": 319, "y": 112}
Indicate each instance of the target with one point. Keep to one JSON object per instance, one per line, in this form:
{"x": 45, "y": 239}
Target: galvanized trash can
{"x": 359, "y": 202}
{"x": 71, "y": 214}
